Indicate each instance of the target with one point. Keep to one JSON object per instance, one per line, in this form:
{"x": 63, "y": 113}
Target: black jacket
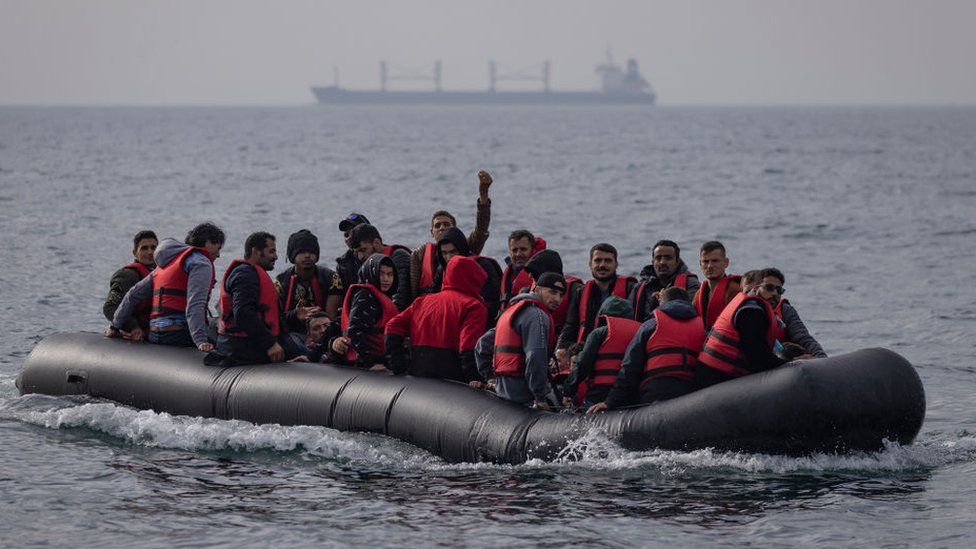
{"x": 326, "y": 278}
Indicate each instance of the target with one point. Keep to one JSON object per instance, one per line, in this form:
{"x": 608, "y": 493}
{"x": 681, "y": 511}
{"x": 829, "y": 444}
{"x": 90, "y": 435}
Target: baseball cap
{"x": 351, "y": 221}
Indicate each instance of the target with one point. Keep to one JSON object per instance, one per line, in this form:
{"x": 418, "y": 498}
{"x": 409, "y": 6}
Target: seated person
{"x": 314, "y": 340}
{"x": 307, "y": 286}
{"x": 365, "y": 240}
{"x": 790, "y": 328}
{"x": 366, "y": 310}
{"x": 666, "y": 269}
{"x": 660, "y": 362}
{"x": 143, "y": 247}
{"x": 516, "y": 353}
{"x": 599, "y": 361}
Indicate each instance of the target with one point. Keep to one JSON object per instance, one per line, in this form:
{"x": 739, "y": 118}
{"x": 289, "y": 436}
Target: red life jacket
{"x": 267, "y": 303}
{"x": 619, "y": 289}
{"x": 513, "y": 285}
{"x": 640, "y": 298}
{"x": 143, "y": 308}
{"x": 673, "y": 348}
{"x": 374, "y": 335}
{"x": 721, "y": 350}
{"x": 170, "y": 282}
{"x": 620, "y": 332}
{"x": 779, "y": 332}
{"x": 428, "y": 268}
{"x": 509, "y": 357}
{"x": 389, "y": 249}
{"x": 716, "y": 300}
{"x": 317, "y": 294}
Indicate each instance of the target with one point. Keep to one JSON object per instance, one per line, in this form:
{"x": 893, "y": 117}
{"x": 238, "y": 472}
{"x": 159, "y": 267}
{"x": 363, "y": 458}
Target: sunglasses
{"x": 774, "y": 288}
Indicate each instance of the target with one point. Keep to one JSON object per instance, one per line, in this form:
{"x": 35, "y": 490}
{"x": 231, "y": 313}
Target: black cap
{"x": 351, "y": 221}
{"x": 553, "y": 281}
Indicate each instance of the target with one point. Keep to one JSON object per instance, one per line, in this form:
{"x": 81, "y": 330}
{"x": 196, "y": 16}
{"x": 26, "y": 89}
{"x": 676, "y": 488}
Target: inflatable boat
{"x": 848, "y": 403}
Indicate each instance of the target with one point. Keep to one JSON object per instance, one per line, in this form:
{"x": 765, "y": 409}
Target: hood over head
{"x": 167, "y": 250}
{"x": 679, "y": 309}
{"x": 369, "y": 271}
{"x": 616, "y": 306}
{"x": 544, "y": 261}
{"x": 464, "y": 275}
{"x": 456, "y": 237}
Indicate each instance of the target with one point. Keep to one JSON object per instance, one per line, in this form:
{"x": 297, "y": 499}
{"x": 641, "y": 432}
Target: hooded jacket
{"x": 199, "y": 270}
{"x": 443, "y": 328}
{"x": 586, "y": 359}
{"x": 644, "y": 302}
{"x": 490, "y": 290}
{"x": 365, "y": 309}
{"x": 625, "y": 390}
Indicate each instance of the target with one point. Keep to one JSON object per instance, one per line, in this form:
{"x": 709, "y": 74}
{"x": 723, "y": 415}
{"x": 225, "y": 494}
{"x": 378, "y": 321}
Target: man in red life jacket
{"x": 307, "y": 286}
{"x": 423, "y": 260}
{"x": 365, "y": 240}
{"x": 367, "y": 309}
{"x": 792, "y": 333}
{"x": 143, "y": 246}
{"x": 516, "y": 353}
{"x": 667, "y": 269}
{"x": 250, "y": 329}
{"x": 585, "y": 302}
{"x": 743, "y": 339}
{"x": 599, "y": 361}
{"x": 719, "y": 287}
{"x": 660, "y": 362}
{"x": 179, "y": 288}
{"x": 443, "y": 328}
{"x": 522, "y": 245}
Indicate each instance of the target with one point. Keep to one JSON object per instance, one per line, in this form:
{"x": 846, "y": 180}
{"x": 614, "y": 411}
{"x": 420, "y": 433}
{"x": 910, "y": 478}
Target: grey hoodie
{"x": 199, "y": 270}
{"x": 533, "y": 325}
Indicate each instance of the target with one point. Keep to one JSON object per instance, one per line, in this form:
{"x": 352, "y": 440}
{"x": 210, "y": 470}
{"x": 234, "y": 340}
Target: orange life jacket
{"x": 721, "y": 350}
{"x": 428, "y": 268}
{"x": 389, "y": 249}
{"x": 640, "y": 296}
{"x": 716, "y": 299}
{"x": 142, "y": 309}
{"x": 620, "y": 332}
{"x": 673, "y": 348}
{"x": 170, "y": 284}
{"x": 586, "y": 325}
{"x": 509, "y": 356}
{"x": 374, "y": 335}
{"x": 267, "y": 303}
{"x": 512, "y": 285}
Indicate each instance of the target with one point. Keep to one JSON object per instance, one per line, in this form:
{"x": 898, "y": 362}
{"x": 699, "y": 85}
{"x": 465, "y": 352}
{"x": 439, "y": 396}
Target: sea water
{"x": 870, "y": 213}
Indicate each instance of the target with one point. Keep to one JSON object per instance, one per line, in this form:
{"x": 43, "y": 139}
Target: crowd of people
{"x": 528, "y": 332}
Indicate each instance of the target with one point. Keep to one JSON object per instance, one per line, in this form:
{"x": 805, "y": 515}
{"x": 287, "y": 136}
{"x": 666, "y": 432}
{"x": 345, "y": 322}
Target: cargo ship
{"x": 618, "y": 86}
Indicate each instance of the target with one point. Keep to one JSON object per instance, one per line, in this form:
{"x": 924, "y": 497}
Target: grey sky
{"x": 719, "y": 52}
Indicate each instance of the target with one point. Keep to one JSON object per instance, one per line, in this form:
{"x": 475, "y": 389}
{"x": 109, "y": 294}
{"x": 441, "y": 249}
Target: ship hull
{"x": 338, "y": 96}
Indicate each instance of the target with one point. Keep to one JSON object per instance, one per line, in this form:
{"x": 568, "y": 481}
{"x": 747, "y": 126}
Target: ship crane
{"x": 430, "y": 73}
{"x": 537, "y": 73}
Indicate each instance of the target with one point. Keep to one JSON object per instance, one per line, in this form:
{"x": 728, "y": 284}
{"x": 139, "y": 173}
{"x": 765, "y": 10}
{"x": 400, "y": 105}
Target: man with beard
{"x": 522, "y": 245}
{"x": 307, "y": 287}
{"x": 666, "y": 270}
{"x": 365, "y": 240}
{"x": 250, "y": 328}
{"x": 587, "y": 299}
{"x": 347, "y": 264}
{"x": 143, "y": 246}
{"x": 423, "y": 260}
{"x": 791, "y": 332}
{"x": 719, "y": 287}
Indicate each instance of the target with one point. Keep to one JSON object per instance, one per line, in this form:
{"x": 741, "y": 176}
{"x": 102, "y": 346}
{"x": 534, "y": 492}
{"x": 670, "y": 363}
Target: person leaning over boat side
{"x": 516, "y": 353}
{"x": 443, "y": 328}
{"x": 522, "y": 245}
{"x": 719, "y": 287}
{"x": 306, "y": 287}
{"x": 659, "y": 363}
{"x": 250, "y": 329}
{"x": 667, "y": 269}
{"x": 790, "y": 329}
{"x": 179, "y": 287}
{"x": 365, "y": 240}
{"x": 423, "y": 260}
{"x": 599, "y": 361}
{"x": 366, "y": 310}
{"x": 143, "y": 246}
{"x": 453, "y": 243}
{"x": 743, "y": 339}
{"x": 347, "y": 264}
{"x": 586, "y": 300}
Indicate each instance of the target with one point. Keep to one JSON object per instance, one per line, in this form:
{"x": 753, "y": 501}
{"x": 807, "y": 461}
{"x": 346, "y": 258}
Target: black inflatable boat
{"x": 851, "y": 402}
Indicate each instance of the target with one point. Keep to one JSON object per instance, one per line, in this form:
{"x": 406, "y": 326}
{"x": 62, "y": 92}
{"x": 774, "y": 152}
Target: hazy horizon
{"x": 223, "y": 52}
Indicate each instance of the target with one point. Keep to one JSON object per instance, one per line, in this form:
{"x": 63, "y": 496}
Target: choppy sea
{"x": 870, "y": 212}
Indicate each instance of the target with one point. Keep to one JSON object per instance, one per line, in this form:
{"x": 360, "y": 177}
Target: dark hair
{"x": 316, "y": 314}
{"x": 442, "y": 213}
{"x": 675, "y": 293}
{"x": 203, "y": 233}
{"x": 257, "y": 241}
{"x": 773, "y": 272}
{"x": 603, "y": 247}
{"x": 363, "y": 232}
{"x": 711, "y": 246}
{"x": 751, "y": 277}
{"x": 520, "y": 234}
{"x": 142, "y": 235}
{"x": 670, "y": 244}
